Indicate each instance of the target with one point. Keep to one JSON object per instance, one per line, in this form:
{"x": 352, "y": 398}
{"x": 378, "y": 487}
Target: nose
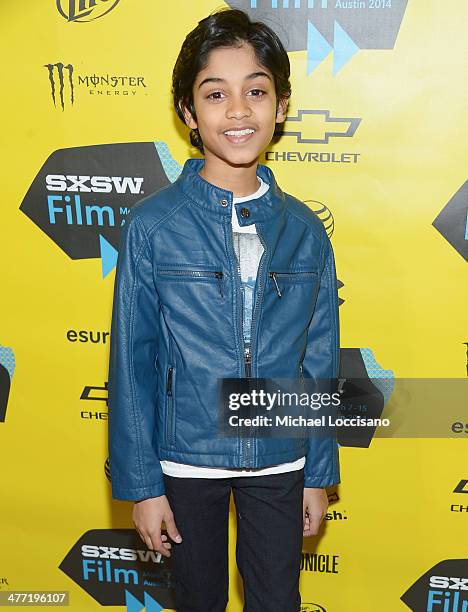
{"x": 238, "y": 108}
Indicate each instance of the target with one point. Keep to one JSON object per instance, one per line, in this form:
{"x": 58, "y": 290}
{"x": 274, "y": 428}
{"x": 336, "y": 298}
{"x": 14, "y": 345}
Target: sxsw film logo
{"x": 85, "y": 10}
{"x": 443, "y": 588}
{"x": 452, "y": 221}
{"x": 7, "y": 367}
{"x": 63, "y": 84}
{"x": 81, "y": 196}
{"x": 115, "y": 568}
{"x": 323, "y": 26}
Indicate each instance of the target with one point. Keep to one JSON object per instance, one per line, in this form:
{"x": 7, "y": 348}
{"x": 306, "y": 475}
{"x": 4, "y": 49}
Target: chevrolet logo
{"x": 317, "y": 127}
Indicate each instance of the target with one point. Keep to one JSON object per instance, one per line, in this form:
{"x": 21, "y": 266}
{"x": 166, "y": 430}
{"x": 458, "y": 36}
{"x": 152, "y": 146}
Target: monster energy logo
{"x": 78, "y": 10}
{"x": 59, "y": 69}
{"x": 61, "y": 78}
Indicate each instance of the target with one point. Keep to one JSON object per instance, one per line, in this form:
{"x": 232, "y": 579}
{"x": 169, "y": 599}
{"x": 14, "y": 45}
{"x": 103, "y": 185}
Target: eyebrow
{"x": 254, "y": 75}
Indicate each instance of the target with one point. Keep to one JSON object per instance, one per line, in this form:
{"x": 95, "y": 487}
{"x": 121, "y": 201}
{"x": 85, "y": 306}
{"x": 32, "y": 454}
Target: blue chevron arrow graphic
{"x": 108, "y": 256}
{"x": 344, "y": 48}
{"x": 134, "y": 605}
{"x": 317, "y": 47}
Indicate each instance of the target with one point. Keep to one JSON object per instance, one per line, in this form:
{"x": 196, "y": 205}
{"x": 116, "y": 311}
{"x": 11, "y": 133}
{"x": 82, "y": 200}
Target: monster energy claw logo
{"x": 85, "y": 10}
{"x": 59, "y": 69}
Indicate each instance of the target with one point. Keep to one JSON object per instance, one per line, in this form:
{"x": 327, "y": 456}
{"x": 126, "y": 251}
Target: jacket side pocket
{"x": 170, "y": 406}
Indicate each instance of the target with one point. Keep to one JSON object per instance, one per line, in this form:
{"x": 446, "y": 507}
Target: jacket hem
{"x": 224, "y": 460}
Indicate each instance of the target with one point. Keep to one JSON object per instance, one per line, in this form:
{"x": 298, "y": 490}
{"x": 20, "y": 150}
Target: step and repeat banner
{"x": 374, "y": 143}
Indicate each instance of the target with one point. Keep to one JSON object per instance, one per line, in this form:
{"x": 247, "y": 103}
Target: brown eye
{"x": 216, "y": 95}
{"x": 258, "y": 92}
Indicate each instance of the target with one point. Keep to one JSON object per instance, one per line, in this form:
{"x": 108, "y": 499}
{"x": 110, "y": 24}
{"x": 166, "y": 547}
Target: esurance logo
{"x": 444, "y": 587}
{"x": 323, "y": 26}
{"x": 85, "y": 10}
{"x": 81, "y": 196}
{"x": 63, "y": 83}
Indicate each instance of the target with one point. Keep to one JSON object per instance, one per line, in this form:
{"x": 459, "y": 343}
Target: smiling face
{"x": 235, "y": 104}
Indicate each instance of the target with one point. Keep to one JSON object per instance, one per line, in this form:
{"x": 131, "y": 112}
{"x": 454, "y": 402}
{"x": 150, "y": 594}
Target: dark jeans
{"x": 268, "y": 547}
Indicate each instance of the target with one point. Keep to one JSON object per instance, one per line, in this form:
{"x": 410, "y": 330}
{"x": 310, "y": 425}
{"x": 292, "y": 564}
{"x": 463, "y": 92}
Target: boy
{"x": 222, "y": 275}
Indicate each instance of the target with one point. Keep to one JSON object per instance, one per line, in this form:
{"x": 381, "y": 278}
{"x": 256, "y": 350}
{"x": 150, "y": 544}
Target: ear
{"x": 282, "y": 110}
{"x": 189, "y": 120}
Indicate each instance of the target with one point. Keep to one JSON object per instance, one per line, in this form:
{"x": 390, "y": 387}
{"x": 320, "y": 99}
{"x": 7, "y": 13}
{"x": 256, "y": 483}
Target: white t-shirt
{"x": 249, "y": 250}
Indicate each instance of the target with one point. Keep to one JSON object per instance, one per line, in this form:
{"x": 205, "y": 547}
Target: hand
{"x": 314, "y": 508}
{"x": 147, "y": 517}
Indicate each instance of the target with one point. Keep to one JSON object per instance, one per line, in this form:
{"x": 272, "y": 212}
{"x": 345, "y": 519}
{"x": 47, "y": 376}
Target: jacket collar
{"x": 218, "y": 201}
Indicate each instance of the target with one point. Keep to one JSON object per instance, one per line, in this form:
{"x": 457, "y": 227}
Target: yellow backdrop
{"x": 375, "y": 145}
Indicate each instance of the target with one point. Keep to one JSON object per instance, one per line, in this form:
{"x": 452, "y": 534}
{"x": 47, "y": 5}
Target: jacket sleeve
{"x": 321, "y": 361}
{"x": 132, "y": 382}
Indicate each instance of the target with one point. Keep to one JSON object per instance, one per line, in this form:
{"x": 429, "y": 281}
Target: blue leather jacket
{"x": 177, "y": 328}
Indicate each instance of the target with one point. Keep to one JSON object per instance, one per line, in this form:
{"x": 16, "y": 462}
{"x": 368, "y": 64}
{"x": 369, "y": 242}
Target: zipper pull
{"x": 248, "y": 361}
{"x": 169, "y": 381}
{"x": 219, "y": 276}
{"x": 273, "y": 276}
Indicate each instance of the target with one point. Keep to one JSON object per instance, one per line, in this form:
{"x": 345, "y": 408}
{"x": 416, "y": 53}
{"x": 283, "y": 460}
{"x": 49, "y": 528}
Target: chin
{"x": 242, "y": 158}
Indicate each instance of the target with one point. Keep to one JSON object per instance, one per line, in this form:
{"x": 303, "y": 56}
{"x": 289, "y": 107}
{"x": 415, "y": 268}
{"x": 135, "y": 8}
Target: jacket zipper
{"x": 198, "y": 273}
{"x": 273, "y": 276}
{"x": 290, "y": 276}
{"x": 249, "y": 351}
{"x": 248, "y": 362}
{"x": 245, "y": 353}
{"x": 170, "y": 408}
{"x": 169, "y": 380}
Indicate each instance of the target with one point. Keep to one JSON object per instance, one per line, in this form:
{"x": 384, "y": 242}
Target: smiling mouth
{"x": 239, "y": 136}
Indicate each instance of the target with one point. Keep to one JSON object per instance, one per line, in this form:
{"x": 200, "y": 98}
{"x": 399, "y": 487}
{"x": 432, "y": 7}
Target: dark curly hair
{"x": 226, "y": 28}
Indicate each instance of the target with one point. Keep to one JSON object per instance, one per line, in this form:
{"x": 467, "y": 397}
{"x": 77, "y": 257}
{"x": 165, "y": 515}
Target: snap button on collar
{"x": 245, "y": 212}
{"x": 223, "y": 202}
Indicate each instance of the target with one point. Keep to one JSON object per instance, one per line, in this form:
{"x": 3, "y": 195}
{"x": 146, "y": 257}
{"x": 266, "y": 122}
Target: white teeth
{"x": 239, "y": 132}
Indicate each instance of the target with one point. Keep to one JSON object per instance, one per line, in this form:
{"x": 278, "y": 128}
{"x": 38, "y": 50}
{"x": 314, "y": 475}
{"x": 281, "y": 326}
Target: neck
{"x": 240, "y": 179}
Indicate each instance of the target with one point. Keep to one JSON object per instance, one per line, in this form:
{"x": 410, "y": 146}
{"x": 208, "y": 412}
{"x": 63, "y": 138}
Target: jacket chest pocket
{"x": 291, "y": 298}
{"x": 170, "y": 405}
{"x": 284, "y": 281}
{"x": 187, "y": 275}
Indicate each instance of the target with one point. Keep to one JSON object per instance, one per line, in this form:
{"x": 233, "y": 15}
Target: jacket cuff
{"x": 322, "y": 468}
{"x": 321, "y": 482}
{"x": 138, "y": 493}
